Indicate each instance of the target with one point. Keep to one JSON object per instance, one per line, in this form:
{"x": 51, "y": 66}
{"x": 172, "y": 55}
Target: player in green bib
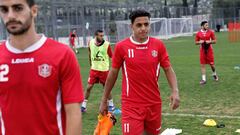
{"x": 99, "y": 57}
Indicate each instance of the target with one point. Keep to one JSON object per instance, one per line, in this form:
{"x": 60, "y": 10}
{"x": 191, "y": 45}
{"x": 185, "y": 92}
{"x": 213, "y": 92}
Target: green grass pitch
{"x": 215, "y": 98}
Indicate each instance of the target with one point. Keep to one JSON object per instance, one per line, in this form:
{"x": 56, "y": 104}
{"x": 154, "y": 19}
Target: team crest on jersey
{"x": 44, "y": 70}
{"x": 154, "y": 53}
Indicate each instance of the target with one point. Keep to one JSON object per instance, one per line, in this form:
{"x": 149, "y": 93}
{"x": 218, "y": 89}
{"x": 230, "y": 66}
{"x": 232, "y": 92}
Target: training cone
{"x": 209, "y": 123}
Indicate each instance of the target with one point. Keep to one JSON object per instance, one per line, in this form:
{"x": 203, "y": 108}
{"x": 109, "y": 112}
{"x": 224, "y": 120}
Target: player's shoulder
{"x": 156, "y": 42}
{"x": 199, "y": 32}
{"x": 57, "y": 47}
{"x": 2, "y": 44}
{"x": 211, "y": 31}
{"x": 123, "y": 43}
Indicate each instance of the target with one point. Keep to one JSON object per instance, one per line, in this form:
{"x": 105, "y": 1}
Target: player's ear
{"x": 34, "y": 10}
{"x": 131, "y": 26}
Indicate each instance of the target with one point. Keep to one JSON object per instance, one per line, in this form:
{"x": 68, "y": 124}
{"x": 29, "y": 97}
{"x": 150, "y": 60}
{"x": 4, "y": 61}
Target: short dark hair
{"x": 98, "y": 31}
{"x": 31, "y": 3}
{"x": 139, "y": 13}
{"x": 203, "y": 23}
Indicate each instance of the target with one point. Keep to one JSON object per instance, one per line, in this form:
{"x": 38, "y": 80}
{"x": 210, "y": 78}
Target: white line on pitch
{"x": 204, "y": 116}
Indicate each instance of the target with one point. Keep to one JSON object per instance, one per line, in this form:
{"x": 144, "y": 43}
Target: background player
{"x": 40, "y": 82}
{"x": 140, "y": 57}
{"x": 205, "y": 38}
{"x": 99, "y": 55}
{"x": 72, "y": 39}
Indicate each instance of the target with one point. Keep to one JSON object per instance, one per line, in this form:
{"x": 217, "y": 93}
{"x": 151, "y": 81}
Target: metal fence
{"x": 57, "y": 19}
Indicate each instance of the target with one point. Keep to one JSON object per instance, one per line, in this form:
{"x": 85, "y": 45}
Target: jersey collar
{"x": 30, "y": 49}
{"x": 203, "y": 30}
{"x": 138, "y": 43}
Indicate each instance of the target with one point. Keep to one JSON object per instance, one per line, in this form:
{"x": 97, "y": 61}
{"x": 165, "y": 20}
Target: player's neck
{"x": 25, "y": 40}
{"x": 139, "y": 40}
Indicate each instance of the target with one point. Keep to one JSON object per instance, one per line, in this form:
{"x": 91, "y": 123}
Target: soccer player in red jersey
{"x": 205, "y": 38}
{"x": 140, "y": 58}
{"x": 40, "y": 83}
{"x": 72, "y": 38}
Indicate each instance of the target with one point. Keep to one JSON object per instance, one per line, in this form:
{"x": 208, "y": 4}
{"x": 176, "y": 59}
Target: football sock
{"x": 84, "y": 103}
{"x": 110, "y": 102}
{"x": 204, "y": 77}
{"x": 215, "y": 73}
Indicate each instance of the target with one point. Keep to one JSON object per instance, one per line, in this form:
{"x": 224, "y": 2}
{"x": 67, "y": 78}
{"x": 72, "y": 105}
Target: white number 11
{"x": 4, "y": 70}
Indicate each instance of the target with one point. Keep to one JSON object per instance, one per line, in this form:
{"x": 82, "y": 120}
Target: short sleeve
{"x": 163, "y": 57}
{"x": 70, "y": 79}
{"x": 197, "y": 37}
{"x": 213, "y": 36}
{"x": 109, "y": 51}
{"x": 117, "y": 59}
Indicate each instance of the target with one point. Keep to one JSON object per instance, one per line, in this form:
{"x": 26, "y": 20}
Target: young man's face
{"x": 205, "y": 26}
{"x": 17, "y": 15}
{"x": 100, "y": 36}
{"x": 141, "y": 27}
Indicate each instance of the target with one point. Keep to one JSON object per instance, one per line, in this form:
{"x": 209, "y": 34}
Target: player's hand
{"x": 201, "y": 41}
{"x": 208, "y": 41}
{"x": 103, "y": 108}
{"x": 174, "y": 100}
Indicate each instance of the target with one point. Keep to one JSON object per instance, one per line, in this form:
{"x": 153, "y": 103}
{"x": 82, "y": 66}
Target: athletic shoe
{"x": 202, "y": 82}
{"x": 83, "y": 109}
{"x": 215, "y": 77}
{"x": 111, "y": 108}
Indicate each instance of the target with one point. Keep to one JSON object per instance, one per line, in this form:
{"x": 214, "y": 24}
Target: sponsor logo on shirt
{"x": 142, "y": 48}
{"x": 154, "y": 53}
{"x": 44, "y": 70}
{"x": 21, "y": 61}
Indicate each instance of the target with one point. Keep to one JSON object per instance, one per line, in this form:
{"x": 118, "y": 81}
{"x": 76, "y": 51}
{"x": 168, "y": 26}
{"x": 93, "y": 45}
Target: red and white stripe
{"x": 126, "y": 77}
{"x": 2, "y": 124}
{"x": 59, "y": 114}
{"x": 126, "y": 128}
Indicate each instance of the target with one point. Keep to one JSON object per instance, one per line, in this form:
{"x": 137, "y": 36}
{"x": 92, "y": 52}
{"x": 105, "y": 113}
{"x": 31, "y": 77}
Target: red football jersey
{"x": 205, "y": 35}
{"x": 141, "y": 67}
{"x": 34, "y": 86}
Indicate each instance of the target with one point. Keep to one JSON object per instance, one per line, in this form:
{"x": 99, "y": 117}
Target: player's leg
{"x": 153, "y": 120}
{"x": 212, "y": 65}
{"x": 132, "y": 121}
{"x": 203, "y": 71}
{"x": 203, "y": 61}
{"x": 87, "y": 94}
{"x": 74, "y": 47}
{"x": 103, "y": 78}
{"x": 91, "y": 81}
{"x": 111, "y": 106}
{"x": 72, "y": 42}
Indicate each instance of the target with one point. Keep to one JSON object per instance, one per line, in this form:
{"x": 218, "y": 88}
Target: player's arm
{"x": 172, "y": 81}
{"x": 198, "y": 41}
{"x": 71, "y": 92}
{"x": 111, "y": 79}
{"x": 213, "y": 39}
{"x": 89, "y": 55}
{"x": 109, "y": 51}
{"x": 73, "y": 119}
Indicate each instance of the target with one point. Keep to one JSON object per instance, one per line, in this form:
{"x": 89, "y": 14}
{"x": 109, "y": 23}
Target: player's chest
{"x": 27, "y": 70}
{"x": 100, "y": 49}
{"x": 141, "y": 55}
{"x": 205, "y": 35}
